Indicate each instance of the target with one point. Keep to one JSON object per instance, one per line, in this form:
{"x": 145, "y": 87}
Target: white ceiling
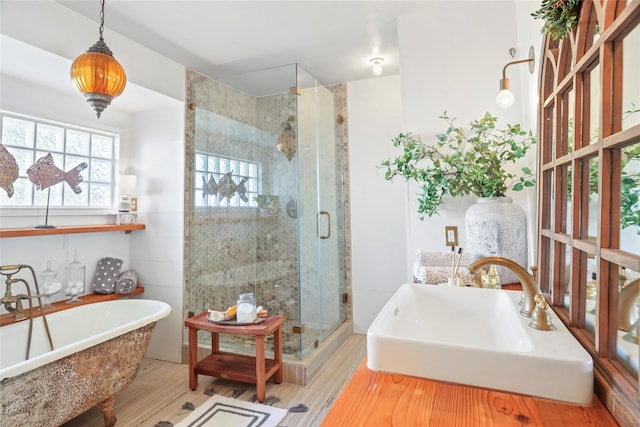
{"x": 332, "y": 40}
{"x": 17, "y": 59}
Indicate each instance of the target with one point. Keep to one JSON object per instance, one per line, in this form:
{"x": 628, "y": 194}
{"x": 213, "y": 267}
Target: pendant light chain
{"x": 101, "y": 18}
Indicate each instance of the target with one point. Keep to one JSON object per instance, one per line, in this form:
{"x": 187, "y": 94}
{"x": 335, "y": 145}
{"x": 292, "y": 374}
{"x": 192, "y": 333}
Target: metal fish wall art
{"x": 44, "y": 173}
{"x": 241, "y": 189}
{"x": 8, "y": 170}
{"x": 226, "y": 187}
{"x": 209, "y": 188}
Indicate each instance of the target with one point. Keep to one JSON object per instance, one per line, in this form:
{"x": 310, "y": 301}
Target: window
{"x": 223, "y": 181}
{"x": 29, "y": 139}
{"x": 589, "y": 208}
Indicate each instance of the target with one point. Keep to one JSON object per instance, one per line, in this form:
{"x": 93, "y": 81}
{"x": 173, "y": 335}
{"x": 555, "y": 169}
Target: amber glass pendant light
{"x": 97, "y": 74}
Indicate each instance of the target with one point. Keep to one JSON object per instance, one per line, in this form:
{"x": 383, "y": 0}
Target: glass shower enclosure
{"x": 264, "y": 202}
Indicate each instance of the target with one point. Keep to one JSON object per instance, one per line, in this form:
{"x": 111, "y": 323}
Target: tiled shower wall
{"x": 230, "y": 250}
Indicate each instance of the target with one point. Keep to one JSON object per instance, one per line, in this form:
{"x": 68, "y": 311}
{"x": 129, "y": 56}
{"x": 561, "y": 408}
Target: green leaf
{"x": 462, "y": 161}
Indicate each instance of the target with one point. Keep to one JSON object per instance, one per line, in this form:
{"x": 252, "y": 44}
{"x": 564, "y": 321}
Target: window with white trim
{"x": 29, "y": 139}
{"x": 224, "y": 181}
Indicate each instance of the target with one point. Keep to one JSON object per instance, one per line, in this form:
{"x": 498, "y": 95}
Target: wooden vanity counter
{"x": 373, "y": 399}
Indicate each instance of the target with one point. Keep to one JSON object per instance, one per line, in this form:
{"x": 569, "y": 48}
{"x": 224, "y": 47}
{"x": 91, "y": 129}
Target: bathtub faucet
{"x": 534, "y": 305}
{"x": 13, "y": 304}
{"x": 17, "y": 310}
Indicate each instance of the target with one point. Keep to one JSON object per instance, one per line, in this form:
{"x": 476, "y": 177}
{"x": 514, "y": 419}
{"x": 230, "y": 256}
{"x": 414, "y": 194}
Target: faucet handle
{"x": 541, "y": 318}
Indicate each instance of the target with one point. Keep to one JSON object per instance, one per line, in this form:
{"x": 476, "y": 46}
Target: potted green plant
{"x": 463, "y": 162}
{"x": 267, "y": 202}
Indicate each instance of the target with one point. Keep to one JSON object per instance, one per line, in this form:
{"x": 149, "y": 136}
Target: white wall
{"x": 458, "y": 71}
{"x": 157, "y": 159}
{"x": 378, "y": 207}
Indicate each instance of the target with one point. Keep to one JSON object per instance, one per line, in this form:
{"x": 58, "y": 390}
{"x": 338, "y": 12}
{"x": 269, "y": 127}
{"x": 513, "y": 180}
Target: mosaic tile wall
{"x": 230, "y": 250}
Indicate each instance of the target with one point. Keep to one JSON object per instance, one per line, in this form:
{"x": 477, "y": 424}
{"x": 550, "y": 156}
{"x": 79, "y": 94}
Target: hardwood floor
{"x": 161, "y": 388}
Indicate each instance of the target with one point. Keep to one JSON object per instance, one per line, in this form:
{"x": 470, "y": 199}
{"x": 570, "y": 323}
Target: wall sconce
{"x": 287, "y": 140}
{"x": 505, "y": 98}
{"x": 376, "y": 66}
{"x": 97, "y": 74}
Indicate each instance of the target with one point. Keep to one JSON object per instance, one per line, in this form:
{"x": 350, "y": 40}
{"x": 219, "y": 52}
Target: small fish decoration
{"x": 226, "y": 186}
{"x": 241, "y": 189}
{"x": 209, "y": 188}
{"x": 44, "y": 173}
{"x": 8, "y": 170}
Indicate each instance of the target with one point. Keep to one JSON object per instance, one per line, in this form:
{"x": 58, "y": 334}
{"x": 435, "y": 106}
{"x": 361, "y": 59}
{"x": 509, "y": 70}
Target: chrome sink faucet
{"x": 534, "y": 305}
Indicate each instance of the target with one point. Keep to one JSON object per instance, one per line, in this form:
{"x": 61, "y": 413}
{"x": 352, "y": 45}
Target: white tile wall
{"x": 378, "y": 207}
{"x": 157, "y": 159}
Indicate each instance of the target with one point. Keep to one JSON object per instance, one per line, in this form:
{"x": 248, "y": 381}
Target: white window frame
{"x": 36, "y": 200}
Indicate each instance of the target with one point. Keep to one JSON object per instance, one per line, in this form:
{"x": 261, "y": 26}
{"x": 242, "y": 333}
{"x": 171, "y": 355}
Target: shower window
{"x": 225, "y": 181}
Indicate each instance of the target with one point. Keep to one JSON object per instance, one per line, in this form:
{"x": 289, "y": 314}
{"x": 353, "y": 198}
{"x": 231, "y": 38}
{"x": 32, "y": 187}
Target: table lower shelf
{"x": 235, "y": 367}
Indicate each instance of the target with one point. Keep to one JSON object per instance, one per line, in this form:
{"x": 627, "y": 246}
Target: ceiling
{"x": 332, "y": 40}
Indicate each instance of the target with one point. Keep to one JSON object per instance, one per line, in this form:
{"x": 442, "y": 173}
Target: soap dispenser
{"x": 491, "y": 280}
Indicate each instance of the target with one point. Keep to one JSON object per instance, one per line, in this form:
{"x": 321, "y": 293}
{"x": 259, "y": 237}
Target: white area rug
{"x": 222, "y": 411}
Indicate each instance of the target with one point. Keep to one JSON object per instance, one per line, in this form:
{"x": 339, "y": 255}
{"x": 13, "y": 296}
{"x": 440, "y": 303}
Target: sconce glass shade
{"x": 287, "y": 141}
{"x": 98, "y": 75}
{"x": 505, "y": 98}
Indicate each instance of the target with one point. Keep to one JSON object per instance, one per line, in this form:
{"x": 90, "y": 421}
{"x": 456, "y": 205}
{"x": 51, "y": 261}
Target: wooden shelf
{"x": 234, "y": 367}
{"x": 7, "y": 319}
{"x": 32, "y": 231}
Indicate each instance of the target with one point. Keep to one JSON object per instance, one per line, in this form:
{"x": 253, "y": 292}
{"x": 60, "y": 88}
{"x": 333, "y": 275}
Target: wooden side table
{"x": 237, "y": 367}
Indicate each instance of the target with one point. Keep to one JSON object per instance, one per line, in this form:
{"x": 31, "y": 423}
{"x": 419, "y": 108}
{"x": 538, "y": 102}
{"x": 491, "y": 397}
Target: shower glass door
{"x": 321, "y": 227}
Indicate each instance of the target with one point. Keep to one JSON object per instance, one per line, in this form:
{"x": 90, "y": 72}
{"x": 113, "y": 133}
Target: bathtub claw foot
{"x": 107, "y": 411}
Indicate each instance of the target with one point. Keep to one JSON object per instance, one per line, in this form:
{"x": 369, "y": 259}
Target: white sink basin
{"x": 477, "y": 337}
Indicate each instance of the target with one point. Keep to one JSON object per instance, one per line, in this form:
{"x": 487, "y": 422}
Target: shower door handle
{"x": 329, "y": 229}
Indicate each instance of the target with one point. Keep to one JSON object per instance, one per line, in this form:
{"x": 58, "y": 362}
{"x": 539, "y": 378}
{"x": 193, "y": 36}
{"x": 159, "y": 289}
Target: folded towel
{"x": 435, "y": 275}
{"x": 106, "y": 276}
{"x": 127, "y": 282}
{"x": 442, "y": 259}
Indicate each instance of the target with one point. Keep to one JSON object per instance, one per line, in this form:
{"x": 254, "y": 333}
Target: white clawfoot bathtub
{"x": 97, "y": 352}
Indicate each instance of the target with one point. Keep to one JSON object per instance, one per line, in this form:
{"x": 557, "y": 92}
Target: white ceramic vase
{"x": 495, "y": 226}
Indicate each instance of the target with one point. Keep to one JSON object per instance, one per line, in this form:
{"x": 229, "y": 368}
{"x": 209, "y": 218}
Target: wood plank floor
{"x": 161, "y": 388}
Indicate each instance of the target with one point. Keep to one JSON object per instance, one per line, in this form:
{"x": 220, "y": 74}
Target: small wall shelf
{"x": 32, "y": 231}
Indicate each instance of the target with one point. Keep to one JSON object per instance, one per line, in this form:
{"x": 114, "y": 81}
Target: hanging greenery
{"x": 559, "y": 16}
